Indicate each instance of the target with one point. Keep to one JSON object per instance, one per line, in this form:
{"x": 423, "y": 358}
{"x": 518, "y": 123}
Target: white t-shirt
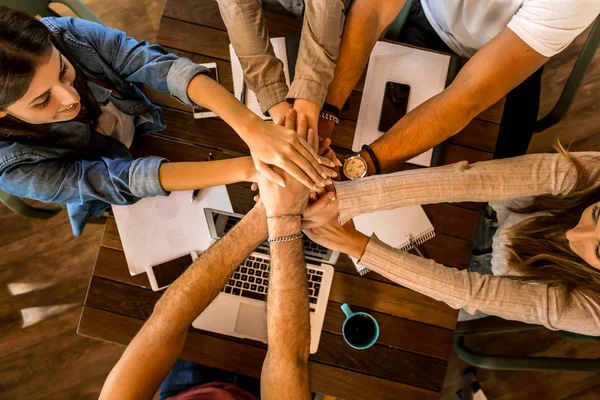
{"x": 547, "y": 26}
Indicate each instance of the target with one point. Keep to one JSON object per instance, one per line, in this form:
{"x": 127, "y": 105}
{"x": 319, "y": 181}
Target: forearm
{"x": 249, "y": 37}
{"x": 508, "y": 298}
{"x": 285, "y": 371}
{"x": 365, "y": 21}
{"x": 207, "y": 93}
{"x": 318, "y": 51}
{"x": 199, "y": 175}
{"x": 506, "y": 179}
{"x": 150, "y": 355}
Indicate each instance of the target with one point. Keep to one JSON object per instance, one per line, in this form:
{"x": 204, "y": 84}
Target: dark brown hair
{"x": 539, "y": 249}
{"x": 25, "y": 44}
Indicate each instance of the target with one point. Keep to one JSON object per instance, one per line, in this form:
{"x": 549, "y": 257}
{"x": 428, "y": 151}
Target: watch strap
{"x": 369, "y": 150}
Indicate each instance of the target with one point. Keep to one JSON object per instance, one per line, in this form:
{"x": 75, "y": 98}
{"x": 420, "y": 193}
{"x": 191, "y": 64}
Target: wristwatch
{"x": 355, "y": 167}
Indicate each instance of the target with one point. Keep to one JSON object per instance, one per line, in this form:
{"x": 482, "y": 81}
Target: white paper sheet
{"x": 279, "y": 49}
{"x": 424, "y": 71}
{"x": 395, "y": 227}
{"x": 157, "y": 229}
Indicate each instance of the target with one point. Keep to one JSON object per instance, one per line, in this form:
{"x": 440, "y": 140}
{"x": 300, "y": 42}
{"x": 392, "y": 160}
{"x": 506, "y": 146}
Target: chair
{"x": 495, "y": 325}
{"x": 41, "y": 7}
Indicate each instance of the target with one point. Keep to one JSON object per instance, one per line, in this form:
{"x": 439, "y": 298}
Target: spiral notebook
{"x": 396, "y": 227}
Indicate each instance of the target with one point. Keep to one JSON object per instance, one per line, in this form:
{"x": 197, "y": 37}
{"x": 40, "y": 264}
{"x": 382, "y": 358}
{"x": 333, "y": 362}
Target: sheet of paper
{"x": 238, "y": 75}
{"x": 157, "y": 229}
{"x": 424, "y": 71}
{"x": 395, "y": 227}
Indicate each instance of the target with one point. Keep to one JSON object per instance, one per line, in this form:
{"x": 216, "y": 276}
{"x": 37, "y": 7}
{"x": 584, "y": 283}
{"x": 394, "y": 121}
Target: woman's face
{"x": 584, "y": 239}
{"x": 51, "y": 96}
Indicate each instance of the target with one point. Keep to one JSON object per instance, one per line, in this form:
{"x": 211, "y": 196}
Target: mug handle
{"x": 346, "y": 309}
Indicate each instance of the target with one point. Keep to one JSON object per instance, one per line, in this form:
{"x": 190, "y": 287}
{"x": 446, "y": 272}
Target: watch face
{"x": 355, "y": 167}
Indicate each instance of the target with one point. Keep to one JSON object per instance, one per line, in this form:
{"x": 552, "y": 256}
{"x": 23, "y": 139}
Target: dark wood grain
{"x": 206, "y": 13}
{"x": 379, "y": 360}
{"x": 395, "y": 332}
{"x": 236, "y": 357}
{"x": 193, "y": 38}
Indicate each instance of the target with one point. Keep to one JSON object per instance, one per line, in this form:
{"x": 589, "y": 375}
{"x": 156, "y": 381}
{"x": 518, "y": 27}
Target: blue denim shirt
{"x": 75, "y": 164}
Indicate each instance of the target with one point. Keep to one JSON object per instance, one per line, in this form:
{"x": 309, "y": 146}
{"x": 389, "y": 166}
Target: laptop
{"x": 240, "y": 310}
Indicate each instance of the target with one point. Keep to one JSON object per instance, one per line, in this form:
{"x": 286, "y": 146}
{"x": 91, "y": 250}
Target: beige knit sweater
{"x": 495, "y": 181}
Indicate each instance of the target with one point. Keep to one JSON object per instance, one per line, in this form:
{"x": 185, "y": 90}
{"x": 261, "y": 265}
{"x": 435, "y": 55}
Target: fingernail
{"x": 320, "y": 161}
{"x": 281, "y": 184}
{"x": 315, "y": 187}
{"x": 334, "y": 174}
{"x": 324, "y": 175}
{"x": 329, "y": 181}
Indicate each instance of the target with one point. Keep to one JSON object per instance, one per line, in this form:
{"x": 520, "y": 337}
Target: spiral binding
{"x": 422, "y": 238}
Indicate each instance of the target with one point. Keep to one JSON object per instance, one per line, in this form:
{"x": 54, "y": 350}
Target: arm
{"x": 495, "y": 70}
{"x": 151, "y": 354}
{"x": 505, "y": 179}
{"x": 249, "y": 37}
{"x": 285, "y": 371}
{"x": 365, "y": 22}
{"x": 505, "y": 297}
{"x": 318, "y": 51}
{"x": 199, "y": 175}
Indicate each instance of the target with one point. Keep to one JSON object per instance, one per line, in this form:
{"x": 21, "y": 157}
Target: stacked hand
{"x": 292, "y": 198}
{"x": 281, "y": 146}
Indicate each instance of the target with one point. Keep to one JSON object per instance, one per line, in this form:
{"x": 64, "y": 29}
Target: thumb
{"x": 319, "y": 205}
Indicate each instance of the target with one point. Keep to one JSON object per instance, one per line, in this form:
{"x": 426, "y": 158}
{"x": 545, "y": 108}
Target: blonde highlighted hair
{"x": 539, "y": 249}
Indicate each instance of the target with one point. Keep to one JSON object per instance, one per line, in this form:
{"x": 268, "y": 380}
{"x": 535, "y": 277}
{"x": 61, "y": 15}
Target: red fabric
{"x": 215, "y": 391}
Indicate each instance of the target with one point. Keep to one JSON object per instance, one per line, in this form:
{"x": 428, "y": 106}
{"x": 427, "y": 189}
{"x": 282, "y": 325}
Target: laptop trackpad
{"x": 252, "y": 321}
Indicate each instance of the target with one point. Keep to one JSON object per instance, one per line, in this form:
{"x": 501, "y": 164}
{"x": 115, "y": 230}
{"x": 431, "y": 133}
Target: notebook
{"x": 424, "y": 71}
{"x": 396, "y": 227}
{"x": 158, "y": 229}
{"x": 285, "y": 48}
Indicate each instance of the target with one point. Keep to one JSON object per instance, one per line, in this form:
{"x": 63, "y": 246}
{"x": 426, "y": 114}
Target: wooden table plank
{"x": 239, "y": 358}
{"x": 381, "y": 360}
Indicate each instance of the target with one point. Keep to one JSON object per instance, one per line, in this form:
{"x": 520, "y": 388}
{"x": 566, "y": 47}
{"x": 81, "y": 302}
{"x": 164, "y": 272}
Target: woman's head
{"x": 36, "y": 80}
{"x": 40, "y": 81}
{"x": 562, "y": 245}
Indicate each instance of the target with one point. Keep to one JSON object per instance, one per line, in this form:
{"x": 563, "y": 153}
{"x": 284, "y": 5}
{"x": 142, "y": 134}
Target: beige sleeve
{"x": 248, "y": 34}
{"x": 319, "y": 49}
{"x": 505, "y": 179}
{"x": 504, "y": 297}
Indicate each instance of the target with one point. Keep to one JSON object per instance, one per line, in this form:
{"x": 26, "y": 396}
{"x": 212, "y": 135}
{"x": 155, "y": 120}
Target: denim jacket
{"x": 75, "y": 164}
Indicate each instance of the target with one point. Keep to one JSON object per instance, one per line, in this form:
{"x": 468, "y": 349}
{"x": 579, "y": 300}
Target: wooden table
{"x": 410, "y": 358}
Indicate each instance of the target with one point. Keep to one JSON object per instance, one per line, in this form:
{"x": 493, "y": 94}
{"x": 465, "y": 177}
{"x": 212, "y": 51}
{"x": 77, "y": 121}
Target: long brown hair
{"x": 26, "y": 43}
{"x": 539, "y": 249}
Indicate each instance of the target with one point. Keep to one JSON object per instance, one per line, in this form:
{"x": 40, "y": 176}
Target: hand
{"x": 282, "y": 147}
{"x": 311, "y": 110}
{"x": 292, "y": 198}
{"x": 321, "y": 211}
{"x": 279, "y": 111}
{"x": 345, "y": 239}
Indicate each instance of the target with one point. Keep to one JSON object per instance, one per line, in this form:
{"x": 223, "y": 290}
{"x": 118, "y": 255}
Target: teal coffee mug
{"x": 360, "y": 330}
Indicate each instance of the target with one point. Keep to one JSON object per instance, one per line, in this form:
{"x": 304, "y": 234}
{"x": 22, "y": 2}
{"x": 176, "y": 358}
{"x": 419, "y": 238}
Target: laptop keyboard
{"x": 251, "y": 280}
{"x": 309, "y": 245}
